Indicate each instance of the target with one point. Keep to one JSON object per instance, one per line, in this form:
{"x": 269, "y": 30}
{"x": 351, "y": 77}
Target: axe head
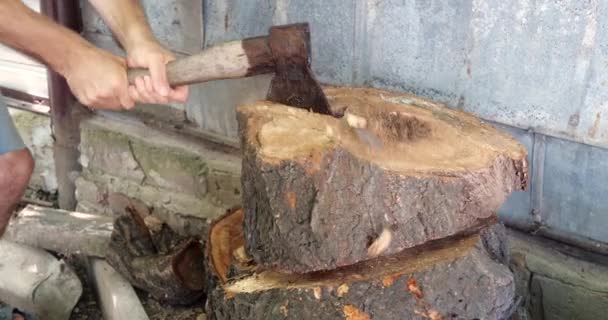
{"x": 294, "y": 83}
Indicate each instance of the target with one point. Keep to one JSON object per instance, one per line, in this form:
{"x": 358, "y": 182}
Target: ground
{"x": 87, "y": 307}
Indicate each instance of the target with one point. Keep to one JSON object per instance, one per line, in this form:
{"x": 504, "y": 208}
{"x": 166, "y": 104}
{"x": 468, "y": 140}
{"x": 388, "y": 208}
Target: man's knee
{"x": 16, "y": 168}
{"x": 26, "y": 164}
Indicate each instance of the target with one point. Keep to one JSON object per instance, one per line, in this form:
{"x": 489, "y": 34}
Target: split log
{"x": 395, "y": 172}
{"x": 445, "y": 279}
{"x": 61, "y": 231}
{"x": 227, "y": 239}
{"x": 156, "y": 259}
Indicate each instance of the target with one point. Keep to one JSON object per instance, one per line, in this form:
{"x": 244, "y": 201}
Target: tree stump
{"x": 395, "y": 172}
{"x": 452, "y": 278}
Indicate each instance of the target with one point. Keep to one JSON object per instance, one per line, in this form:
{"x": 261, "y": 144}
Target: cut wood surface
{"x": 317, "y": 195}
{"x": 61, "y": 231}
{"x": 228, "y": 239}
{"x": 453, "y": 278}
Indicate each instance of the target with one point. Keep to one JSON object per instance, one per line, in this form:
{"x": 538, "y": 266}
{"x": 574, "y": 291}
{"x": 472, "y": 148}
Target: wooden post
{"x": 64, "y": 121}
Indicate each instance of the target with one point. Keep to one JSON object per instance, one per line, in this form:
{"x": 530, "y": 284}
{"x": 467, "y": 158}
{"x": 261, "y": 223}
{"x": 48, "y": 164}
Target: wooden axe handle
{"x": 236, "y": 59}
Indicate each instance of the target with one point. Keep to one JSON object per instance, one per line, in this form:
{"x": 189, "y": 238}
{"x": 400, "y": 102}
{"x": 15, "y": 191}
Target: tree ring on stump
{"x": 438, "y": 280}
{"x": 317, "y": 194}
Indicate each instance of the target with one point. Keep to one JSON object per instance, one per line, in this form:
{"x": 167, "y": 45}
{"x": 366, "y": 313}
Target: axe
{"x": 284, "y": 52}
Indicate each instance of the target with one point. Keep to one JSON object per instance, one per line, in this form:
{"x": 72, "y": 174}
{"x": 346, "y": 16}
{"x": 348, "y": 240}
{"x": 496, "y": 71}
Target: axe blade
{"x": 294, "y": 83}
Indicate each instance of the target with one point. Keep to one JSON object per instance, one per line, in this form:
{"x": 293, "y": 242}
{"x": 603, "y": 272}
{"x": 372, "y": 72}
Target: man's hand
{"x": 98, "y": 79}
{"x": 154, "y": 88}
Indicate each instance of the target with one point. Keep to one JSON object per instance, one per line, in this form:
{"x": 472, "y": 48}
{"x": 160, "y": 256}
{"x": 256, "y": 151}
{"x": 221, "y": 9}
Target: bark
{"x": 318, "y": 197}
{"x": 453, "y": 278}
{"x": 157, "y": 260}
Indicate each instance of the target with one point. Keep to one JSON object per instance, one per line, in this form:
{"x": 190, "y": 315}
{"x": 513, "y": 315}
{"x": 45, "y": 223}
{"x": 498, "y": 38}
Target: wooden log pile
{"x": 376, "y": 215}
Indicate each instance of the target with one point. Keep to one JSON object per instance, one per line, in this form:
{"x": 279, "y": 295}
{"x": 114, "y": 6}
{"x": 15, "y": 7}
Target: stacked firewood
{"x": 333, "y": 227}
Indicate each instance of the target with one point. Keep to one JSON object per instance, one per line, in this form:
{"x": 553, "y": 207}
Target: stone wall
{"x": 184, "y": 179}
{"x": 35, "y": 130}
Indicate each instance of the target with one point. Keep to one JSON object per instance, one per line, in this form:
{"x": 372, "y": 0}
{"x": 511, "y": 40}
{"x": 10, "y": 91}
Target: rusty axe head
{"x": 294, "y": 83}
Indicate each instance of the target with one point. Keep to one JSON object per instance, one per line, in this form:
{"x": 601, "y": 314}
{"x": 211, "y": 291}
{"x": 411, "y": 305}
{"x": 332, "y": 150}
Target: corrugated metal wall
{"x": 538, "y": 69}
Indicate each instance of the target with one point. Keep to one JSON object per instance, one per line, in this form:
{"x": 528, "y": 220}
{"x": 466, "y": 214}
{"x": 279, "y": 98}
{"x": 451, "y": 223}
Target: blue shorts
{"x": 10, "y": 140}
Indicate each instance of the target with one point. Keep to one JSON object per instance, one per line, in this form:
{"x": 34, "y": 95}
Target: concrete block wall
{"x": 557, "y": 281}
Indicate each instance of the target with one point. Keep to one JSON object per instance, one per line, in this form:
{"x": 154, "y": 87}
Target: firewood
{"x": 317, "y": 193}
{"x": 452, "y": 278}
{"x": 156, "y": 259}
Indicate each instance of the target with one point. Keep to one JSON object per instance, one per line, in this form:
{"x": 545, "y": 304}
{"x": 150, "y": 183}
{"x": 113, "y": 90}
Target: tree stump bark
{"x": 452, "y": 278}
{"x": 395, "y": 172}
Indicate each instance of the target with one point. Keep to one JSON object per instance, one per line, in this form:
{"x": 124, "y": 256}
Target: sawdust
{"x": 342, "y": 290}
{"x": 353, "y": 313}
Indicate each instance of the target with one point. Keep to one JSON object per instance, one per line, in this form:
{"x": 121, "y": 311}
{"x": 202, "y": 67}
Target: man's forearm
{"x": 127, "y": 21}
{"x": 38, "y": 36}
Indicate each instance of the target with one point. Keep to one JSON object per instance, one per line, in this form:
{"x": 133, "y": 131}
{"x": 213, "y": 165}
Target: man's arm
{"x": 97, "y": 78}
{"x": 129, "y": 25}
{"x": 38, "y": 36}
{"x": 127, "y": 21}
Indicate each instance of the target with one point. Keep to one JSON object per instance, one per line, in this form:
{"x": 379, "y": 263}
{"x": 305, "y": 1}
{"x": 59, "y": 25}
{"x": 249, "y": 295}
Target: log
{"x": 452, "y": 278}
{"x": 152, "y": 257}
{"x": 395, "y": 172}
{"x": 62, "y": 231}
